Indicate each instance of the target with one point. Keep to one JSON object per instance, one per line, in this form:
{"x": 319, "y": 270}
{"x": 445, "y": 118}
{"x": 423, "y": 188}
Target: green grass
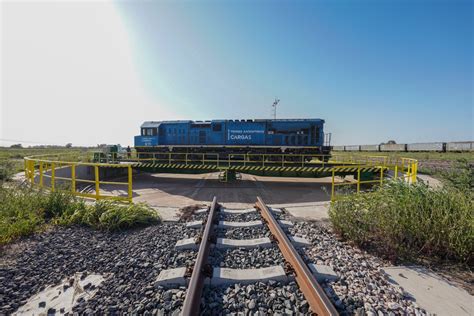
{"x": 11, "y": 159}
{"x": 24, "y": 211}
{"x": 402, "y": 221}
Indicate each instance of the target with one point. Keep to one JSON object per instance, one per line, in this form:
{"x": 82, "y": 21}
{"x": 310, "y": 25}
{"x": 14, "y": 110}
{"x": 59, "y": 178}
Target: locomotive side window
{"x": 149, "y": 132}
{"x": 217, "y": 127}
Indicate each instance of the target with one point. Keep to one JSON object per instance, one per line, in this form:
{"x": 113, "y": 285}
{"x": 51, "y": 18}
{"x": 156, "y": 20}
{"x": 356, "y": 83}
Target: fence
{"x": 385, "y": 168}
{"x": 68, "y": 172}
{"x": 60, "y": 174}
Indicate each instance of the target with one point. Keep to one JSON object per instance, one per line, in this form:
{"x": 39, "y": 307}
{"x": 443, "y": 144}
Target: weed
{"x": 399, "y": 220}
{"x": 7, "y": 169}
{"x": 24, "y": 211}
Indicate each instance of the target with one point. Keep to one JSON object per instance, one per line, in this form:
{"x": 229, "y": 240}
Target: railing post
{"x": 130, "y": 177}
{"x": 96, "y": 178}
{"x": 396, "y": 171}
{"x": 415, "y": 165}
{"x": 73, "y": 178}
{"x": 53, "y": 174}
{"x": 358, "y": 179}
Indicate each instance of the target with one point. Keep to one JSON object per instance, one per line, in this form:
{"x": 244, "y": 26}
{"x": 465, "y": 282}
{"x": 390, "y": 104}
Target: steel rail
{"x": 192, "y": 302}
{"x": 312, "y": 291}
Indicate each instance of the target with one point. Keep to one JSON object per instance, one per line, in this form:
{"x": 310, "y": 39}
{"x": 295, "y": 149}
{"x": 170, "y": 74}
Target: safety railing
{"x": 59, "y": 174}
{"x": 387, "y": 169}
{"x": 215, "y": 159}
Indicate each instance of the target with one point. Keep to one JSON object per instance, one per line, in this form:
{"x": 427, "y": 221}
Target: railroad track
{"x": 220, "y": 231}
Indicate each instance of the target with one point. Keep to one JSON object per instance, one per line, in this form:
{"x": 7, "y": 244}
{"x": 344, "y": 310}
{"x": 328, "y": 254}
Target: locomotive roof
{"x": 157, "y": 123}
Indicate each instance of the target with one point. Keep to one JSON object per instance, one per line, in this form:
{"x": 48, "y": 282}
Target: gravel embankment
{"x": 362, "y": 286}
{"x": 133, "y": 260}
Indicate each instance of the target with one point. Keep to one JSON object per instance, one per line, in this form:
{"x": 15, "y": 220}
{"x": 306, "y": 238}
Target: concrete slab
{"x": 226, "y": 224}
{"x": 245, "y": 276}
{"x": 243, "y": 243}
{"x": 194, "y": 224}
{"x": 432, "y": 292}
{"x": 285, "y": 223}
{"x": 237, "y": 212}
{"x": 185, "y": 244}
{"x": 168, "y": 214}
{"x": 299, "y": 241}
{"x": 172, "y": 277}
{"x": 62, "y": 297}
{"x": 430, "y": 181}
{"x": 323, "y": 273}
{"x": 317, "y": 211}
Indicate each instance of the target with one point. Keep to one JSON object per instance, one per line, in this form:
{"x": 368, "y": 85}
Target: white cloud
{"x": 68, "y": 75}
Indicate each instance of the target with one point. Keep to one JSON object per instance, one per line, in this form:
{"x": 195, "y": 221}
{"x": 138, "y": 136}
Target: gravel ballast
{"x": 362, "y": 286}
{"x": 132, "y": 260}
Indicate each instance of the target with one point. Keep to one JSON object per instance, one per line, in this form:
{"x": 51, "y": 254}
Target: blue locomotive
{"x": 289, "y": 136}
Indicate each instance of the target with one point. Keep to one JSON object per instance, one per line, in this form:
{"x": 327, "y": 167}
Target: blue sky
{"x": 374, "y": 70}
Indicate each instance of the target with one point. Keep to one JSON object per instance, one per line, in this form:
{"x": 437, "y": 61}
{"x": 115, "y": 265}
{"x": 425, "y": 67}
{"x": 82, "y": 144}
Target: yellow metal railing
{"x": 43, "y": 173}
{"x": 386, "y": 168}
{"x": 283, "y": 160}
{"x": 43, "y": 170}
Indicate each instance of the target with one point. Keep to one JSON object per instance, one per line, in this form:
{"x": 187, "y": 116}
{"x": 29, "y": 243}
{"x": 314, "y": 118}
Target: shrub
{"x": 20, "y": 212}
{"x": 111, "y": 216}
{"x": 461, "y": 176}
{"x": 24, "y": 211}
{"x": 7, "y": 169}
{"x": 119, "y": 217}
{"x": 399, "y": 220}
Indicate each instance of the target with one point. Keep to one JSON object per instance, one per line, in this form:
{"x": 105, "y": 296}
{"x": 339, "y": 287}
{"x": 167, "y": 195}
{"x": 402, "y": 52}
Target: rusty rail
{"x": 192, "y": 302}
{"x": 312, "y": 291}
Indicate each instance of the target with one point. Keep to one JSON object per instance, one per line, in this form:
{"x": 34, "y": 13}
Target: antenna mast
{"x": 274, "y": 106}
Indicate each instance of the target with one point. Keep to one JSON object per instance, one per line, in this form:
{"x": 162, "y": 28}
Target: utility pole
{"x": 274, "y": 106}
